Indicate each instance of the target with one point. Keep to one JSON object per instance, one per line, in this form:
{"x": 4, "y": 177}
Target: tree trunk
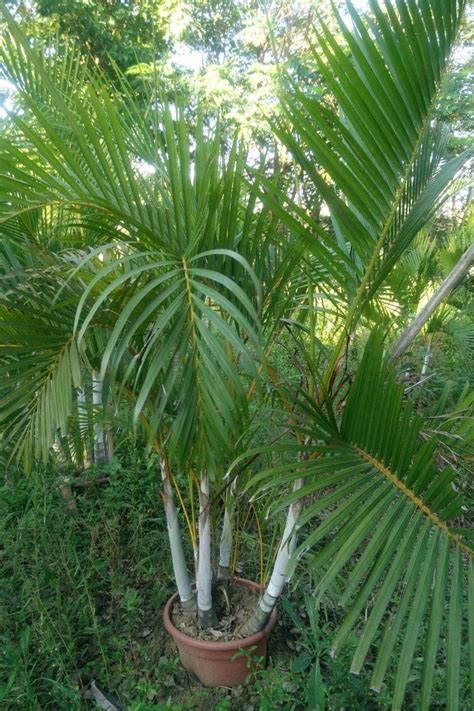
{"x": 454, "y": 276}
{"x": 225, "y": 549}
{"x": 280, "y": 571}
{"x": 84, "y": 428}
{"x": 426, "y": 359}
{"x": 183, "y": 584}
{"x": 204, "y": 574}
{"x": 66, "y": 493}
{"x": 100, "y": 453}
{"x": 109, "y": 436}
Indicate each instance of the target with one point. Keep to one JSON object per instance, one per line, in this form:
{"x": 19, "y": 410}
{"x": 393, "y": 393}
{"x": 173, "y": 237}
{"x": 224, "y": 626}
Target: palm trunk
{"x": 183, "y": 584}
{"x": 225, "y": 550}
{"x": 441, "y": 294}
{"x": 84, "y": 428}
{"x": 100, "y": 454}
{"x": 295, "y": 511}
{"x": 280, "y": 571}
{"x": 426, "y": 359}
{"x": 66, "y": 493}
{"x": 109, "y": 436}
{"x": 204, "y": 574}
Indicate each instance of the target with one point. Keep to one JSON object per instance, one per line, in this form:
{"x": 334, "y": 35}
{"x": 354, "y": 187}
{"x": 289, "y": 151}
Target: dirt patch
{"x": 232, "y": 608}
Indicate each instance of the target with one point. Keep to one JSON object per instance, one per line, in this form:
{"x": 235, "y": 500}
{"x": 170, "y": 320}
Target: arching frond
{"x": 41, "y": 364}
{"x": 181, "y": 341}
{"x": 40, "y": 367}
{"x": 384, "y": 158}
{"x": 379, "y": 515}
{"x": 173, "y": 287}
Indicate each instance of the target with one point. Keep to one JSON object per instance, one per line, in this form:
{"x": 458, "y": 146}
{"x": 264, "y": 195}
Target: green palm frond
{"x": 452, "y": 422}
{"x": 457, "y": 324}
{"x": 71, "y": 147}
{"x": 40, "y": 366}
{"x": 182, "y": 337}
{"x": 62, "y": 67}
{"x": 173, "y": 286}
{"x": 408, "y": 279}
{"x": 383, "y": 157}
{"x": 461, "y": 329}
{"x": 379, "y": 515}
{"x": 40, "y": 362}
{"x": 170, "y": 185}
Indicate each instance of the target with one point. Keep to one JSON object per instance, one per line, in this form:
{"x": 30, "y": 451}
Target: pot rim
{"x": 233, "y": 645}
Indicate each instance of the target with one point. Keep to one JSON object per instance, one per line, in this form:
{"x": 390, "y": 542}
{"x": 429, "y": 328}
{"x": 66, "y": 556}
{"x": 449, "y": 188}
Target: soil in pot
{"x": 232, "y": 607}
{"x": 228, "y": 659}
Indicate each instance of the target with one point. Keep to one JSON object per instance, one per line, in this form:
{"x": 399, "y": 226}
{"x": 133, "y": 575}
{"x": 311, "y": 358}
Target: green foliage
{"x": 454, "y": 104}
{"x": 388, "y": 528}
{"x": 384, "y": 158}
{"x": 80, "y": 595}
{"x": 180, "y": 282}
{"x": 155, "y": 254}
{"x": 69, "y": 597}
{"x": 120, "y": 34}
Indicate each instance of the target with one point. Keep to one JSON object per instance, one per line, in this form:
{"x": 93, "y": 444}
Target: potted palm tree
{"x": 147, "y": 275}
{"x": 188, "y": 272}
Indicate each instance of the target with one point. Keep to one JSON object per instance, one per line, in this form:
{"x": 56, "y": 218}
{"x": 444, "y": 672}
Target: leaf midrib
{"x": 357, "y": 305}
{"x": 416, "y": 500}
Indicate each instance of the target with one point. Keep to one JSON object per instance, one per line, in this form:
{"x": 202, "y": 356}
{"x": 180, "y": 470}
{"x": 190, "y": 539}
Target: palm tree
{"x": 184, "y": 281}
{"x": 153, "y": 300}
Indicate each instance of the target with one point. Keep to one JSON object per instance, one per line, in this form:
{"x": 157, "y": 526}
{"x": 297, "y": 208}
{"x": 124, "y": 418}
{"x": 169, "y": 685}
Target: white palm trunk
{"x": 83, "y": 427}
{"x": 225, "y": 550}
{"x": 293, "y": 515}
{"x": 226, "y": 542}
{"x": 458, "y": 272}
{"x": 280, "y": 571}
{"x": 180, "y": 571}
{"x": 100, "y": 453}
{"x": 204, "y": 572}
{"x": 426, "y": 359}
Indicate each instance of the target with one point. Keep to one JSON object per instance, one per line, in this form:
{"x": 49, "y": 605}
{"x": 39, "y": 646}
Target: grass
{"x": 77, "y": 591}
{"x": 81, "y": 598}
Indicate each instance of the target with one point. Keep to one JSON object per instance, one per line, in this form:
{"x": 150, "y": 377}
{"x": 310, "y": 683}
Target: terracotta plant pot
{"x": 219, "y": 663}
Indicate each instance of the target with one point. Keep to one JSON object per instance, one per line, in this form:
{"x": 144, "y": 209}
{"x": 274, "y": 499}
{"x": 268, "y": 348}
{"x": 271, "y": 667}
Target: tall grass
{"x": 77, "y": 589}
